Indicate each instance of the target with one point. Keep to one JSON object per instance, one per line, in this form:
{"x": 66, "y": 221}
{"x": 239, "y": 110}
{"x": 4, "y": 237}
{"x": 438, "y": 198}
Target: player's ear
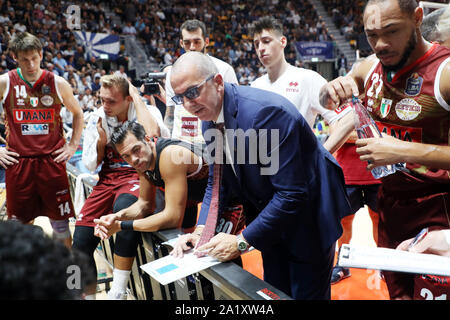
{"x": 283, "y": 41}
{"x": 418, "y": 17}
{"x": 218, "y": 78}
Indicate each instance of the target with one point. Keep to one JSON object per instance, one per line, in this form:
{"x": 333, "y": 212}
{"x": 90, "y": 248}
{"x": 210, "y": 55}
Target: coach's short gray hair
{"x": 204, "y": 64}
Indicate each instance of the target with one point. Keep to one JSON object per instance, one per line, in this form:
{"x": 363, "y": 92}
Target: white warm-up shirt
{"x": 301, "y": 87}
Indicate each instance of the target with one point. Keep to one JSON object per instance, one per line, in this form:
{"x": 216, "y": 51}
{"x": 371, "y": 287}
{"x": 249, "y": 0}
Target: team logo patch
{"x": 34, "y": 101}
{"x": 47, "y": 101}
{"x": 46, "y": 89}
{"x": 385, "y": 107}
{"x": 408, "y": 109}
{"x": 34, "y": 129}
{"x": 413, "y": 85}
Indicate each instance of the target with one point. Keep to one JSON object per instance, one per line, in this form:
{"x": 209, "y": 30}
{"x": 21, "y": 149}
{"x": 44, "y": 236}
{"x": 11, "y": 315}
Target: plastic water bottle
{"x": 366, "y": 128}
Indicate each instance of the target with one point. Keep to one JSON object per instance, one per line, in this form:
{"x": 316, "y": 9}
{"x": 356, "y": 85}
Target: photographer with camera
{"x": 152, "y": 88}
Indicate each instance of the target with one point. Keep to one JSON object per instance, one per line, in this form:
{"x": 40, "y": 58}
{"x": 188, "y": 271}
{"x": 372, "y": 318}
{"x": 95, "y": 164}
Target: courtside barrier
{"x": 225, "y": 281}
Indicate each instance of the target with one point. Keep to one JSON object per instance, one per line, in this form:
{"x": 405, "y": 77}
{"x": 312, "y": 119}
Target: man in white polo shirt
{"x": 184, "y": 125}
{"x": 298, "y": 85}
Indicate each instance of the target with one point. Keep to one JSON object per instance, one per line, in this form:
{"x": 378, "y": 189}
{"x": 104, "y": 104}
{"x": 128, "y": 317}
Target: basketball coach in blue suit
{"x": 293, "y": 213}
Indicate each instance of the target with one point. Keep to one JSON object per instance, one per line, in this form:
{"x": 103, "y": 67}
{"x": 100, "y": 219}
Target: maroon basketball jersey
{"x": 408, "y": 104}
{"x": 32, "y": 120}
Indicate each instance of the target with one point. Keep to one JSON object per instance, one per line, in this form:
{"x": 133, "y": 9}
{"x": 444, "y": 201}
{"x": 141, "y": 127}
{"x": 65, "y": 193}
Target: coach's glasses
{"x": 191, "y": 93}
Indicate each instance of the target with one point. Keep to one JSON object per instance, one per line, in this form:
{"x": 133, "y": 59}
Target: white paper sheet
{"x": 169, "y": 269}
{"x": 393, "y": 260}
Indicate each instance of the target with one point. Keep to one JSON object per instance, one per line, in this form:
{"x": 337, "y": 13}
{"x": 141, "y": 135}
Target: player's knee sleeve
{"x": 126, "y": 240}
{"x": 60, "y": 229}
{"x": 85, "y": 241}
{"x": 126, "y": 243}
{"x": 123, "y": 201}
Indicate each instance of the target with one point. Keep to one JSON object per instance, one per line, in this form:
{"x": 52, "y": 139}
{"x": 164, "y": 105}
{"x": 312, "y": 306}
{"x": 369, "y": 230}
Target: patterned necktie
{"x": 211, "y": 221}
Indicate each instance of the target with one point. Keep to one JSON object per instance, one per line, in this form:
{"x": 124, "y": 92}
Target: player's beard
{"x": 411, "y": 45}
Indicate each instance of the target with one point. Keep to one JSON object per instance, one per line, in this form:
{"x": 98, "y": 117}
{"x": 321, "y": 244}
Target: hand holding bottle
{"x": 366, "y": 127}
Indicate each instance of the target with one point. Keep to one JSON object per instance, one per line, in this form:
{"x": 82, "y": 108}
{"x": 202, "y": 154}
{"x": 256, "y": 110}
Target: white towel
{"x": 91, "y": 136}
{"x": 80, "y": 197}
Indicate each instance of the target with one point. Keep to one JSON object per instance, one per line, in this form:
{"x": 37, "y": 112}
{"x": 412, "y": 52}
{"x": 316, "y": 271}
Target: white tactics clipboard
{"x": 169, "y": 269}
{"x": 353, "y": 256}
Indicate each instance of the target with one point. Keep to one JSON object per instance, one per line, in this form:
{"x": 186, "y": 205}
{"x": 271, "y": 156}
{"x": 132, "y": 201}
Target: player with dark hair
{"x": 175, "y": 166}
{"x": 35, "y": 267}
{"x": 300, "y": 86}
{"x": 407, "y": 92}
{"x": 182, "y": 124}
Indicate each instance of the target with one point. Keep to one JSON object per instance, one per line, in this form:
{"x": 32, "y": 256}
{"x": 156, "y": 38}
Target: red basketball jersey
{"x": 32, "y": 120}
{"x": 408, "y": 104}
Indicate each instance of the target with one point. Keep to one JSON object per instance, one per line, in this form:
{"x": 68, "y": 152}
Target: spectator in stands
{"x": 96, "y": 85}
{"x": 121, "y": 72}
{"x": 83, "y": 84}
{"x": 60, "y": 63}
{"x": 139, "y": 25}
{"x": 118, "y": 185}
{"x": 147, "y": 36}
{"x": 35, "y": 267}
{"x": 129, "y": 30}
{"x": 168, "y": 57}
{"x": 87, "y": 101}
{"x": 342, "y": 65}
{"x": 183, "y": 125}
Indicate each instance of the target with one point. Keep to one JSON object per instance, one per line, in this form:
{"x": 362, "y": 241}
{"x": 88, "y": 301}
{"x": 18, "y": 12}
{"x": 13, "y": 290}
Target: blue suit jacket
{"x": 299, "y": 206}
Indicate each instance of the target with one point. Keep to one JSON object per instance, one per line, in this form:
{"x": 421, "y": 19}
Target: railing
{"x": 225, "y": 281}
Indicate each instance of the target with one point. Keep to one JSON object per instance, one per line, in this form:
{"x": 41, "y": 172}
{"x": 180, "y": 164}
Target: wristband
{"x": 126, "y": 225}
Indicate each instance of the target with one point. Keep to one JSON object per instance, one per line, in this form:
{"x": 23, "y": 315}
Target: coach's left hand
{"x": 222, "y": 246}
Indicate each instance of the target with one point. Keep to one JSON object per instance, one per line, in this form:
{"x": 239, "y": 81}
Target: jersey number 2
{"x": 377, "y": 82}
